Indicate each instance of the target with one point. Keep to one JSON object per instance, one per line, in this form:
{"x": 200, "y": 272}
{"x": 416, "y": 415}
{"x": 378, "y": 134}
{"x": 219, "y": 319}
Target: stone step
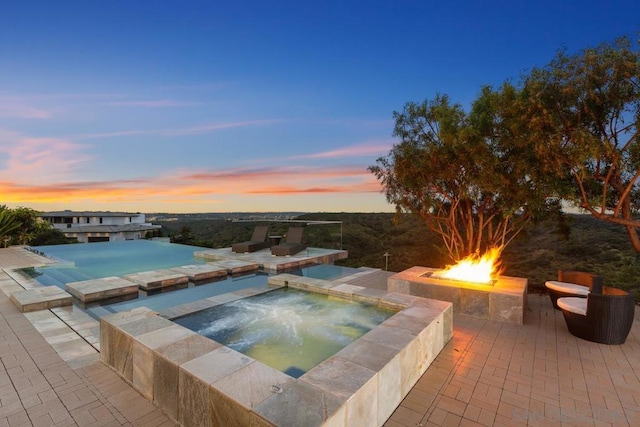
{"x": 41, "y": 298}
{"x": 157, "y": 279}
{"x": 100, "y": 289}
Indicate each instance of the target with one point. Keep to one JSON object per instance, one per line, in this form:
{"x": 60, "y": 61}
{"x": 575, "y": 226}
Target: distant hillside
{"x": 592, "y": 245}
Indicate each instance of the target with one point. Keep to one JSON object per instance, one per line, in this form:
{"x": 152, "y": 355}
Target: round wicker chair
{"x": 573, "y": 284}
{"x": 603, "y": 318}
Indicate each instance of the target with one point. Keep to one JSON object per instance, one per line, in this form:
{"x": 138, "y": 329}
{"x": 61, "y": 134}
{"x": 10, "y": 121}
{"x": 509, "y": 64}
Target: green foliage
{"x": 592, "y": 246}
{"x": 582, "y": 243}
{"x": 569, "y": 131}
{"x": 470, "y": 177}
{"x": 9, "y": 225}
{"x": 50, "y": 236}
{"x": 21, "y": 226}
{"x": 583, "y": 115}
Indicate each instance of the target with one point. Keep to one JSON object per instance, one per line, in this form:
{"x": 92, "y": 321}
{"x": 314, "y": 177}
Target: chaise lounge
{"x": 292, "y": 244}
{"x": 258, "y": 241}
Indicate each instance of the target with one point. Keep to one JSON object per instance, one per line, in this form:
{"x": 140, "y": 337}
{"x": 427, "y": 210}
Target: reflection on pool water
{"x": 287, "y": 329}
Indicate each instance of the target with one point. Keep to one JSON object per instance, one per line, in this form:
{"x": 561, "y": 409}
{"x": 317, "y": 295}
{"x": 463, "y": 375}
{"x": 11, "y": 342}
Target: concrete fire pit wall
{"x": 505, "y": 301}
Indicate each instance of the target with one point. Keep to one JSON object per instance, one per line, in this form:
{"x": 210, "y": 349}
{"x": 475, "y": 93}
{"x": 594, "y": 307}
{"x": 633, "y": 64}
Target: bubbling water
{"x": 289, "y": 330}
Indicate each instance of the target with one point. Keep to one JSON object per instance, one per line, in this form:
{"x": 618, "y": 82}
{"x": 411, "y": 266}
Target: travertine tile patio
{"x": 490, "y": 373}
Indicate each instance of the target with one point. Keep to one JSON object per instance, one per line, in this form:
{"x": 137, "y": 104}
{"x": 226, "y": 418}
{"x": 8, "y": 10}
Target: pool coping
{"x": 180, "y": 370}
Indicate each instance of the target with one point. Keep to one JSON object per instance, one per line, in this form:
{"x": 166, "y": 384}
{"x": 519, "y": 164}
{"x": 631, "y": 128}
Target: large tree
{"x": 469, "y": 176}
{"x": 583, "y": 116}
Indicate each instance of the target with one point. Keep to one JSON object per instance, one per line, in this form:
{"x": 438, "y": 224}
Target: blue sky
{"x": 208, "y": 106}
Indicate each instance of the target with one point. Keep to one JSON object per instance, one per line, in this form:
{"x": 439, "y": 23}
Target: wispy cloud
{"x": 364, "y": 149}
{"x": 41, "y": 105}
{"x": 164, "y": 103}
{"x": 30, "y": 106}
{"x": 361, "y": 187}
{"x": 32, "y": 97}
{"x": 193, "y": 130}
{"x": 277, "y": 173}
{"x": 198, "y": 86}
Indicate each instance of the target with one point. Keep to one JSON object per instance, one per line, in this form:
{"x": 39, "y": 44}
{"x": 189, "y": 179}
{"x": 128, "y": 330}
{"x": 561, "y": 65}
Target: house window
{"x": 100, "y": 220}
{"x": 88, "y": 220}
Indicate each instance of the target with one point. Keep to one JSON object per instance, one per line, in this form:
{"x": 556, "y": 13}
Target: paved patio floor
{"x": 490, "y": 373}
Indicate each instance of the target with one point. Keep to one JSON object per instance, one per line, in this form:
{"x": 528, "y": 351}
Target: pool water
{"x": 288, "y": 329}
{"x": 84, "y": 261}
{"x": 192, "y": 293}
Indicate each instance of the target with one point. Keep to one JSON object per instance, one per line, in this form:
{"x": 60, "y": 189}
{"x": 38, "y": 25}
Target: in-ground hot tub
{"x": 199, "y": 381}
{"x": 288, "y": 329}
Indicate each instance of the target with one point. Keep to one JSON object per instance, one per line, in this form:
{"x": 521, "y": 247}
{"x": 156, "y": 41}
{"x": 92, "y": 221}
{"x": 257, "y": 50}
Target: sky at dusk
{"x": 212, "y": 106}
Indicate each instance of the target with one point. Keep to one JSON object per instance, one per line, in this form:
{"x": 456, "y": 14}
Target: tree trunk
{"x": 634, "y": 237}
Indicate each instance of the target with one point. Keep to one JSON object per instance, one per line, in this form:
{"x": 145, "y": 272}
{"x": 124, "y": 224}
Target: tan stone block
{"x": 40, "y": 298}
{"x": 167, "y": 361}
{"x": 193, "y": 401}
{"x": 252, "y": 384}
{"x": 300, "y": 404}
{"x": 330, "y": 376}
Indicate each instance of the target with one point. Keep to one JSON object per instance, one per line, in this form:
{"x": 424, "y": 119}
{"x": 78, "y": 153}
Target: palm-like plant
{"x": 8, "y": 225}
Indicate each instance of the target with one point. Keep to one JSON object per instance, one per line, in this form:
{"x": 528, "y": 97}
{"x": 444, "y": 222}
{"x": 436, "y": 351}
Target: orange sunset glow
{"x": 179, "y": 191}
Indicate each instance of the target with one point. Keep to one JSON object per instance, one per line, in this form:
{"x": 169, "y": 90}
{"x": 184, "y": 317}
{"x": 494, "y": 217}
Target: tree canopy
{"x": 467, "y": 175}
{"x": 583, "y": 115}
{"x": 568, "y": 132}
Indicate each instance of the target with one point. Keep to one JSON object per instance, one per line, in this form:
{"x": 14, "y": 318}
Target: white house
{"x": 89, "y": 227}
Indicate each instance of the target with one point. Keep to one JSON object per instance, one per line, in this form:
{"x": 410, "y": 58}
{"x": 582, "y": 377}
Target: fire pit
{"x": 503, "y": 298}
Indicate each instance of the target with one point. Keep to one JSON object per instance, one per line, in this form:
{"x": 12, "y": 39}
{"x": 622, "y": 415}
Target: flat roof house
{"x": 89, "y": 227}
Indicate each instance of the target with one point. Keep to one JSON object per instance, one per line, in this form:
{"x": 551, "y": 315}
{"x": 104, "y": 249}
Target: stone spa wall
{"x": 200, "y": 382}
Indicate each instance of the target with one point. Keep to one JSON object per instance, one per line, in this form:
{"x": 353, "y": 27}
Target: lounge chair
{"x": 292, "y": 243}
{"x": 604, "y": 318}
{"x": 258, "y": 241}
{"x": 573, "y": 284}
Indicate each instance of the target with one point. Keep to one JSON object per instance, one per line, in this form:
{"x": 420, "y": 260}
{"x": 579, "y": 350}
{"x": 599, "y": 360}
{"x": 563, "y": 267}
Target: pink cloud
{"x": 31, "y": 158}
{"x": 20, "y": 111}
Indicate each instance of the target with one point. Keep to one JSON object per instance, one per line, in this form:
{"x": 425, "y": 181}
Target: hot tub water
{"x": 287, "y": 329}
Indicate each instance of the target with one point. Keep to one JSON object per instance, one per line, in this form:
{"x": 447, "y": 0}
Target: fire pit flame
{"x": 474, "y": 268}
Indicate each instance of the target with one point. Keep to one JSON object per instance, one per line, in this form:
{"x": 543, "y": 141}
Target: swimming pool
{"x": 84, "y": 261}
